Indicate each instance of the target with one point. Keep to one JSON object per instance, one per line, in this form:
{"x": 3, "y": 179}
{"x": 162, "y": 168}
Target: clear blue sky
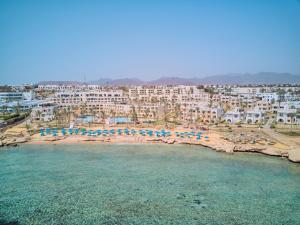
{"x": 65, "y": 40}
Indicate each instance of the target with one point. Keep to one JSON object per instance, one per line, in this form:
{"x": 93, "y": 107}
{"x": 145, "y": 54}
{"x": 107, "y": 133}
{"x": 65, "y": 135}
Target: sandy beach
{"x": 223, "y": 141}
{"x": 216, "y": 140}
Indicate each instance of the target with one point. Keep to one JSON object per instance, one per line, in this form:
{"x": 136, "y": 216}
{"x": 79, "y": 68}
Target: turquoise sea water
{"x": 145, "y": 184}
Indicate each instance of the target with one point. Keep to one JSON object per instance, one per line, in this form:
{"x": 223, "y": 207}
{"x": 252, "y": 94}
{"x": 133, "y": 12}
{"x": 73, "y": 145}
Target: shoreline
{"x": 208, "y": 146}
{"x": 217, "y": 141}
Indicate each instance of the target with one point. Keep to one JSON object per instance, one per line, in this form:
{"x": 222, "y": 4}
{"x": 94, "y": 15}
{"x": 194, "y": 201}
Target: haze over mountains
{"x": 242, "y": 79}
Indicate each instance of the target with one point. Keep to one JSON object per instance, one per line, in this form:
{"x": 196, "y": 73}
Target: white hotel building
{"x": 92, "y": 100}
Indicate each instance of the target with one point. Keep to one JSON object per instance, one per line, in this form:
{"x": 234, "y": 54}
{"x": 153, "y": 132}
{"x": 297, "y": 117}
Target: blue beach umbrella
{"x": 48, "y": 130}
{"x": 63, "y": 131}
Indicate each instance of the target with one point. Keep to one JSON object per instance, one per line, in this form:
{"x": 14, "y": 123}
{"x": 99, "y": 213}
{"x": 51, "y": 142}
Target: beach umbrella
{"x": 48, "y": 130}
{"x": 76, "y": 131}
{"x": 42, "y": 132}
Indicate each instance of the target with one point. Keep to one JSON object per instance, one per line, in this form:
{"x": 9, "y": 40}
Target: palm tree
{"x": 103, "y": 116}
{"x": 56, "y": 116}
{"x": 17, "y": 108}
{"x": 210, "y": 109}
{"x": 4, "y": 109}
{"x": 166, "y": 114}
{"x": 147, "y": 113}
{"x": 83, "y": 108}
{"x": 93, "y": 114}
{"x": 190, "y": 116}
{"x": 154, "y": 115}
{"x": 177, "y": 112}
{"x": 134, "y": 115}
{"x": 280, "y": 93}
{"x": 38, "y": 114}
{"x": 64, "y": 114}
{"x": 113, "y": 114}
{"x": 68, "y": 114}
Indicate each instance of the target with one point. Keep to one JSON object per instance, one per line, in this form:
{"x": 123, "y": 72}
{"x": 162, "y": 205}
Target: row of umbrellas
{"x": 126, "y": 131}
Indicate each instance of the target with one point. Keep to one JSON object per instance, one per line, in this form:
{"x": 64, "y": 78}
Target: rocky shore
{"x": 13, "y": 138}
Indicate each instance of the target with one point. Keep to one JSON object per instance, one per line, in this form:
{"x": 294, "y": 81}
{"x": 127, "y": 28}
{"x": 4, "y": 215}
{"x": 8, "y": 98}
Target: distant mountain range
{"x": 242, "y": 79}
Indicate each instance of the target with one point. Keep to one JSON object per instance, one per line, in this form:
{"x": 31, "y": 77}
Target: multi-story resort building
{"x": 234, "y": 116}
{"x": 207, "y": 104}
{"x": 68, "y": 87}
{"x": 287, "y": 116}
{"x": 16, "y": 96}
{"x": 91, "y": 100}
{"x": 44, "y": 112}
{"x": 254, "y": 116}
{"x": 193, "y": 111}
{"x": 167, "y": 93}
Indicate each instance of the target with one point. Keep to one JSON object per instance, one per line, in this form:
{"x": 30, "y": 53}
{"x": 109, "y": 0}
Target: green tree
{"x": 134, "y": 116}
{"x": 280, "y": 93}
